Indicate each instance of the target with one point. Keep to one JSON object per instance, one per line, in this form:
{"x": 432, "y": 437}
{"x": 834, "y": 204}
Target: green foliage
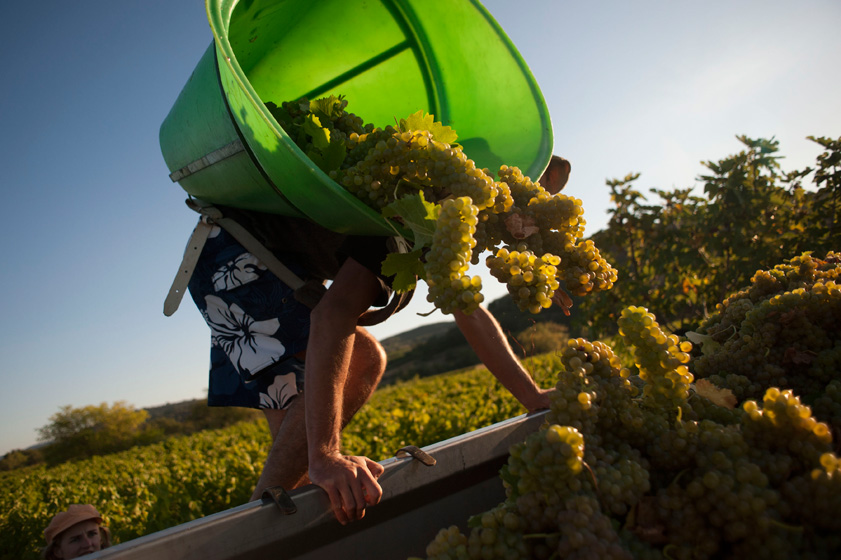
{"x": 425, "y": 121}
{"x": 19, "y": 458}
{"x": 416, "y": 213}
{"x": 90, "y": 430}
{"x": 80, "y": 433}
{"x": 541, "y": 338}
{"x": 138, "y": 491}
{"x": 685, "y": 253}
{"x": 825, "y": 205}
{"x": 150, "y": 488}
{"x": 311, "y": 124}
{"x": 425, "y": 411}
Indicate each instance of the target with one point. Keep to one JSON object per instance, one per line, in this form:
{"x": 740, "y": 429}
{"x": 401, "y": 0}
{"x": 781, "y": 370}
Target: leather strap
{"x": 251, "y": 243}
{"x": 309, "y": 293}
{"x": 210, "y": 216}
{"x": 188, "y": 264}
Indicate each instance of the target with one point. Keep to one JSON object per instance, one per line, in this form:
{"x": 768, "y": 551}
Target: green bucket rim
{"x": 220, "y": 12}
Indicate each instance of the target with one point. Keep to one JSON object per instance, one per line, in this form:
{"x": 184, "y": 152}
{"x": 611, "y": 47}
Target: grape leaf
{"x": 647, "y": 525}
{"x": 334, "y": 155}
{"x": 320, "y": 135}
{"x": 327, "y": 107}
{"x": 425, "y": 121}
{"x": 719, "y": 396}
{"x": 417, "y": 214}
{"x": 328, "y": 151}
{"x": 708, "y": 345}
{"x": 798, "y": 357}
{"x": 405, "y": 267}
{"x": 280, "y": 115}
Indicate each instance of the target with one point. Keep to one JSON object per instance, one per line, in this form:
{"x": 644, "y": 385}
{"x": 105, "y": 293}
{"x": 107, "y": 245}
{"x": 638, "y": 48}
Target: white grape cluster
{"x": 514, "y": 218}
{"x": 448, "y": 260}
{"x": 620, "y": 473}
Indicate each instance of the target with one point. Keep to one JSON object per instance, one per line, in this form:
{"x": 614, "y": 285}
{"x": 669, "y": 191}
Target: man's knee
{"x": 275, "y": 418}
{"x": 371, "y": 348}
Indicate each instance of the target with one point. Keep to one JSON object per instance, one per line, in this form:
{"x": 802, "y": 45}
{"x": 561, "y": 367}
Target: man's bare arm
{"x": 485, "y": 336}
{"x": 349, "y": 481}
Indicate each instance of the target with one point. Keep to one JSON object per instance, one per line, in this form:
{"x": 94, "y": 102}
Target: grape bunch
{"x": 643, "y": 463}
{"x": 780, "y": 331}
{"x": 447, "y": 261}
{"x": 660, "y": 357}
{"x": 414, "y": 161}
{"x": 513, "y": 218}
{"x": 531, "y": 281}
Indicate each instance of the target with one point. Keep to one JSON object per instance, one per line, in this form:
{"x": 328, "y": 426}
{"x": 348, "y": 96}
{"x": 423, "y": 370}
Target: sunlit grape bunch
{"x": 780, "y": 331}
{"x": 498, "y": 533}
{"x": 412, "y": 161}
{"x": 545, "y": 461}
{"x": 531, "y": 281}
{"x": 586, "y": 270}
{"x": 623, "y": 479}
{"x": 587, "y": 532}
{"x": 448, "y": 544}
{"x": 674, "y": 471}
{"x": 661, "y": 358}
{"x": 419, "y": 160}
{"x": 447, "y": 262}
{"x": 783, "y": 424}
{"x": 815, "y": 495}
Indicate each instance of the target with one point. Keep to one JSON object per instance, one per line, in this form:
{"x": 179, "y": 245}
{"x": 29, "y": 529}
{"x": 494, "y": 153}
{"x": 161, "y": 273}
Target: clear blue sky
{"x": 93, "y": 230}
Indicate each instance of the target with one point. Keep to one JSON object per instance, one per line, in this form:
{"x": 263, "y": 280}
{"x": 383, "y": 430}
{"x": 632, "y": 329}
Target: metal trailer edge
{"x": 418, "y": 500}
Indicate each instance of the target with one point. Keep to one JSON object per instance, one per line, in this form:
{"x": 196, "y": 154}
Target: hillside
{"x": 441, "y": 347}
{"x": 422, "y": 352}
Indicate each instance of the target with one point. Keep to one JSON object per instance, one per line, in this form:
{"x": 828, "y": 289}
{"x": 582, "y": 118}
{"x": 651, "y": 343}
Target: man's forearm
{"x": 349, "y": 481}
{"x": 485, "y": 336}
{"x": 328, "y": 361}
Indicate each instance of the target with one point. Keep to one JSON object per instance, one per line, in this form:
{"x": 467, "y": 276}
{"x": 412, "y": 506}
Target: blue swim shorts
{"x": 256, "y": 324}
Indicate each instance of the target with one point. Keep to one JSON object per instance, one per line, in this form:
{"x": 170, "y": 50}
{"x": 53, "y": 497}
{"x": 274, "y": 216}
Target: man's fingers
{"x": 371, "y": 488}
{"x": 336, "y": 503}
{"x": 355, "y": 506}
{"x": 374, "y": 468}
{"x": 352, "y": 487}
{"x": 563, "y": 300}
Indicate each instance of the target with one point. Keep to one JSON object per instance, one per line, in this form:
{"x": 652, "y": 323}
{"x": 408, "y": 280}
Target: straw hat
{"x": 76, "y": 513}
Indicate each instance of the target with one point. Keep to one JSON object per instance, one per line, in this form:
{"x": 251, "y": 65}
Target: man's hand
{"x": 540, "y": 401}
{"x": 562, "y": 300}
{"x": 350, "y": 482}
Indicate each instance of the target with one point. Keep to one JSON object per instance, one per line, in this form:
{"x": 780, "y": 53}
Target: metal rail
{"x": 418, "y": 500}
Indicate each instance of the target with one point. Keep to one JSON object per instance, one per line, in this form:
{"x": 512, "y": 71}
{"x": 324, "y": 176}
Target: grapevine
{"x": 674, "y": 470}
{"x": 416, "y": 168}
{"x": 780, "y": 331}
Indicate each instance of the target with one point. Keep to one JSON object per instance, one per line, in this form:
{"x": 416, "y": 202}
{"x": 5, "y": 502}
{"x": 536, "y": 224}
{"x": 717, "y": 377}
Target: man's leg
{"x": 367, "y": 366}
{"x": 286, "y": 464}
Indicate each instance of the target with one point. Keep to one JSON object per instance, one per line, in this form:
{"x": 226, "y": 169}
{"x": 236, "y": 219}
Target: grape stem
{"x": 785, "y": 526}
{"x": 677, "y": 477}
{"x": 541, "y": 535}
{"x": 592, "y": 474}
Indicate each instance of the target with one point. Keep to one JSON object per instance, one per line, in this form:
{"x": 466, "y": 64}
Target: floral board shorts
{"x": 256, "y": 326}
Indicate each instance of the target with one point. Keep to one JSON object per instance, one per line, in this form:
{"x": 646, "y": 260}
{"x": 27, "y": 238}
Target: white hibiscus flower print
{"x": 248, "y": 343}
{"x": 280, "y": 393}
{"x": 237, "y": 272}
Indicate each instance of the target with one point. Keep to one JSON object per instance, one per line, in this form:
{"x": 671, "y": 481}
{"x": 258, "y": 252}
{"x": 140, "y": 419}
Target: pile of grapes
{"x": 656, "y": 466}
{"x": 784, "y": 330}
{"x": 415, "y": 173}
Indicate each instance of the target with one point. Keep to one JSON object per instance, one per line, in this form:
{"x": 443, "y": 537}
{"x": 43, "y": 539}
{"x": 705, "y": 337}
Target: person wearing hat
{"x": 75, "y": 532}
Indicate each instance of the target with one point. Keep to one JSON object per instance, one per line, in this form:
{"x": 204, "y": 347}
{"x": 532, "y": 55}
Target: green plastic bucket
{"x": 389, "y": 58}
